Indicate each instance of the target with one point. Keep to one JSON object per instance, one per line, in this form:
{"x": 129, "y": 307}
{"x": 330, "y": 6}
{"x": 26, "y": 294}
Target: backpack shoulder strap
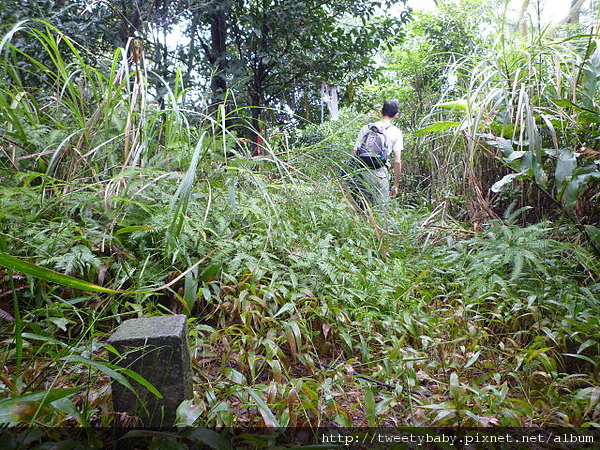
{"x": 371, "y": 127}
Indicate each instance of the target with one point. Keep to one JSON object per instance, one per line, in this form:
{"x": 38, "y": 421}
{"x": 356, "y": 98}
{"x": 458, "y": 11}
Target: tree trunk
{"x": 257, "y": 98}
{"x": 574, "y": 12}
{"x": 192, "y": 52}
{"x": 218, "y": 32}
{"x": 259, "y": 76}
{"x": 257, "y": 138}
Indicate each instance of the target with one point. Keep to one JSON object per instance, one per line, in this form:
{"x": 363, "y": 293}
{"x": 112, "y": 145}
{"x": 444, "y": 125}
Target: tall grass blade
{"x": 181, "y": 199}
{"x": 51, "y": 276}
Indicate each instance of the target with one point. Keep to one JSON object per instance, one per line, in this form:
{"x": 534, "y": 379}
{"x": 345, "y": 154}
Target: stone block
{"x": 157, "y": 349}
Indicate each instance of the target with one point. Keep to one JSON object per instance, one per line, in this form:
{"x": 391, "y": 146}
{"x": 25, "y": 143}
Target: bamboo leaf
{"x": 583, "y": 358}
{"x": 132, "y": 228}
{"x": 113, "y": 371}
{"x": 586, "y": 344}
{"x": 370, "y": 406}
{"x": 39, "y": 337}
{"x": 234, "y": 375}
{"x": 266, "y": 413}
{"x": 66, "y": 405}
{"x": 285, "y": 308}
{"x": 454, "y": 385}
{"x": 180, "y": 201}
{"x": 472, "y": 360}
{"x": 208, "y": 437}
{"x": 141, "y": 380}
{"x": 102, "y": 367}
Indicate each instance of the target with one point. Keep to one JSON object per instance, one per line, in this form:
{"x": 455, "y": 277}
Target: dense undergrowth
{"x": 301, "y": 311}
{"x": 299, "y": 302}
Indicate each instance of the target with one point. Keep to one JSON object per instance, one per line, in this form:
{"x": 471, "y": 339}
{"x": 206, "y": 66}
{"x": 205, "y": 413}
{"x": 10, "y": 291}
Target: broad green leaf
{"x": 190, "y": 292}
{"x": 437, "y": 127}
{"x": 54, "y": 277}
{"x": 147, "y": 433}
{"x": 568, "y": 104}
{"x": 577, "y": 185}
{"x": 506, "y": 179}
{"x": 534, "y": 354}
{"x": 188, "y": 413}
{"x": 276, "y": 368}
{"x": 444, "y": 414}
{"x": 7, "y": 406}
{"x": 513, "y": 156}
{"x": 66, "y": 405}
{"x": 60, "y": 322}
{"x": 565, "y": 166}
{"x": 461, "y": 104}
{"x": 383, "y": 406}
{"x": 505, "y": 145}
{"x": 209, "y": 273}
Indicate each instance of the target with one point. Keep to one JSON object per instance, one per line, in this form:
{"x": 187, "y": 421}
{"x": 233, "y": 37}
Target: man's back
{"x": 393, "y": 136}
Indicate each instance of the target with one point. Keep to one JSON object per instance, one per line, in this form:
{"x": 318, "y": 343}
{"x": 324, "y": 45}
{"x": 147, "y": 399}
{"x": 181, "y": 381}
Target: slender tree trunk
{"x": 192, "y": 52}
{"x": 218, "y": 32}
{"x": 257, "y": 98}
{"x": 257, "y": 137}
{"x": 574, "y": 12}
{"x": 260, "y": 73}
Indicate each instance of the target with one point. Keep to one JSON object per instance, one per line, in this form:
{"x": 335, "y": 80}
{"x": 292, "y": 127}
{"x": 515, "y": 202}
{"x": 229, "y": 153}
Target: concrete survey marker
{"x": 157, "y": 349}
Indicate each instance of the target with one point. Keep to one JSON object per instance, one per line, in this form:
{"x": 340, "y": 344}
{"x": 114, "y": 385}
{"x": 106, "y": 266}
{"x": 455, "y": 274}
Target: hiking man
{"x": 369, "y": 177}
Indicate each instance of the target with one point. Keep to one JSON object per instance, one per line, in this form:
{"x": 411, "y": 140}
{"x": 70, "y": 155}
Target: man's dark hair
{"x": 390, "y": 108}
